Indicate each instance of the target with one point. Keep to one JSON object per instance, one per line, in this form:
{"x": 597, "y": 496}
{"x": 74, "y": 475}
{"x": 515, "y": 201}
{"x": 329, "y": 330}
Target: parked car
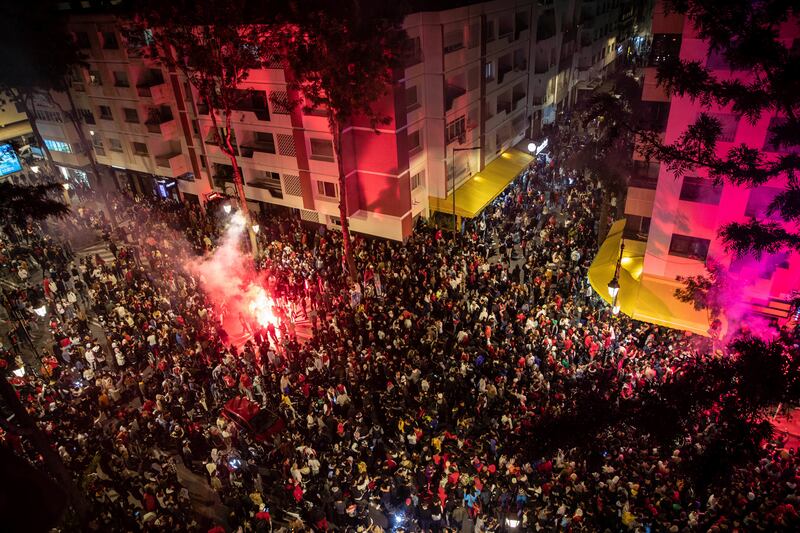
{"x": 261, "y": 423}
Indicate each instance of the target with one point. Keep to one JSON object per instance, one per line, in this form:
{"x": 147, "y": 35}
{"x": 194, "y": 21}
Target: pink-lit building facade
{"x": 675, "y": 221}
{"x": 486, "y": 75}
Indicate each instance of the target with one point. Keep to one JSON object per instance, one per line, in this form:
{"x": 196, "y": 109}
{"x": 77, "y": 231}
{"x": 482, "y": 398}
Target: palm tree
{"x": 20, "y": 203}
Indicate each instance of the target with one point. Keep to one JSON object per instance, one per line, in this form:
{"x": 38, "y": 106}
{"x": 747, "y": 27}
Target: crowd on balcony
{"x": 408, "y": 406}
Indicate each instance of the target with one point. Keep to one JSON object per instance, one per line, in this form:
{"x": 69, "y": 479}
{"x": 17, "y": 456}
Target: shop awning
{"x": 477, "y": 192}
{"x": 17, "y": 129}
{"x": 642, "y": 297}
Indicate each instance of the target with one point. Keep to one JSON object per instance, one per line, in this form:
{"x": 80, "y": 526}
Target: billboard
{"x": 9, "y": 163}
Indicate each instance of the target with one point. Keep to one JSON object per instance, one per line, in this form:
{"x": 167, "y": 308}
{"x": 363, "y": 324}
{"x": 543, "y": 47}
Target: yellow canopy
{"x": 642, "y": 297}
{"x": 477, "y": 192}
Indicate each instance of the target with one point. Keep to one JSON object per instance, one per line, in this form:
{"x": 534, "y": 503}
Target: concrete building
{"x": 480, "y": 79}
{"x": 672, "y": 223}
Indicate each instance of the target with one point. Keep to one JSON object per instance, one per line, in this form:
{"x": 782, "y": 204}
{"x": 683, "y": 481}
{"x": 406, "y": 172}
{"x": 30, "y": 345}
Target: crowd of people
{"x": 409, "y": 404}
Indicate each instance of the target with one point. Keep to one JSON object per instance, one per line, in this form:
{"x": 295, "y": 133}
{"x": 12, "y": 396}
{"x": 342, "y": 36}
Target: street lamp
{"x": 613, "y": 287}
{"x": 256, "y": 228}
{"x": 532, "y": 147}
{"x": 227, "y": 209}
{"x": 66, "y": 186}
{"x": 35, "y": 169}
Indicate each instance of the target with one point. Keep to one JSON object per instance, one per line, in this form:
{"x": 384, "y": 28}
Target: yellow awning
{"x": 477, "y": 192}
{"x": 11, "y": 131}
{"x": 642, "y": 297}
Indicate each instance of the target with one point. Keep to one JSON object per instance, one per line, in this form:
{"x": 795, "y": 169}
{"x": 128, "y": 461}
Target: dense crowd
{"x": 408, "y": 407}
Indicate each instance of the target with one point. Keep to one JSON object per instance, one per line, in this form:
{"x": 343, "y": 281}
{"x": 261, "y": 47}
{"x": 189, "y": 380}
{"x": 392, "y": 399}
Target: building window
{"x": 335, "y": 221}
{"x": 665, "y": 46}
{"x": 456, "y": 129}
{"x": 488, "y": 71}
{"x": 700, "y": 190}
{"x": 139, "y": 148}
{"x": 105, "y": 112}
{"x": 115, "y": 145}
{"x": 489, "y": 30}
{"x": 414, "y": 142}
{"x": 131, "y": 115}
{"x": 110, "y": 41}
{"x": 58, "y": 146}
{"x": 82, "y": 40}
{"x": 121, "y": 79}
{"x": 453, "y": 40}
{"x": 97, "y": 142}
{"x": 267, "y": 180}
{"x": 327, "y": 189}
{"x": 94, "y": 78}
{"x": 759, "y": 201}
{"x": 321, "y": 150}
{"x": 417, "y": 179}
{"x": 265, "y": 142}
{"x": 412, "y": 53}
{"x": 412, "y": 99}
{"x": 728, "y": 125}
{"x": 636, "y": 227}
{"x": 689, "y": 247}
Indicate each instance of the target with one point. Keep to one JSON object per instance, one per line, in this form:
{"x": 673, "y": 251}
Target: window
{"x": 97, "y": 142}
{"x": 110, "y": 41}
{"x": 488, "y": 71}
{"x": 82, "y": 40}
{"x": 728, "y": 125}
{"x": 58, "y": 146}
{"x": 636, "y": 227}
{"x": 690, "y": 247}
{"x": 453, "y": 40}
{"x": 87, "y": 116}
{"x": 270, "y": 181}
{"x": 456, "y": 129}
{"x": 265, "y": 142}
{"x": 417, "y": 180}
{"x": 121, "y": 79}
{"x": 131, "y": 115}
{"x": 412, "y": 52}
{"x": 771, "y": 144}
{"x": 759, "y": 200}
{"x": 114, "y": 145}
{"x": 139, "y": 148}
{"x": 94, "y": 78}
{"x": 489, "y": 29}
{"x": 412, "y": 100}
{"x": 321, "y": 150}
{"x": 105, "y": 112}
{"x": 327, "y": 189}
{"x": 700, "y": 190}
{"x": 414, "y": 142}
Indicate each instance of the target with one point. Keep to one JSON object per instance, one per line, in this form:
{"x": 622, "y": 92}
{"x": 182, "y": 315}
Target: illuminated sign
{"x": 9, "y": 162}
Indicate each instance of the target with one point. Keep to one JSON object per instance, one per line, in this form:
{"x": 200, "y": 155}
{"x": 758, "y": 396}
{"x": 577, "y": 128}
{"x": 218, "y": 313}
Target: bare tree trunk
{"x": 346, "y": 245}
{"x": 41, "y": 443}
{"x": 228, "y": 149}
{"x": 73, "y": 112}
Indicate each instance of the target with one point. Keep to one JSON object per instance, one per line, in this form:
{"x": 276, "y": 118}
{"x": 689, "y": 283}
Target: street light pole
{"x": 613, "y": 285}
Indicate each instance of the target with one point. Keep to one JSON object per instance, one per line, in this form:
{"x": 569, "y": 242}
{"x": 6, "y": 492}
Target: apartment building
{"x": 479, "y": 81}
{"x": 672, "y": 223}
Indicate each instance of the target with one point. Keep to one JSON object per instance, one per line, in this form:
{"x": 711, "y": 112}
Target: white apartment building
{"x": 481, "y": 79}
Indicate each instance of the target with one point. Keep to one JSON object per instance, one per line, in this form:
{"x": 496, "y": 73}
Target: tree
{"x": 746, "y": 35}
{"x": 34, "y": 65}
{"x": 706, "y": 291}
{"x": 344, "y": 59}
{"x": 610, "y": 120}
{"x": 215, "y": 47}
{"x": 19, "y": 203}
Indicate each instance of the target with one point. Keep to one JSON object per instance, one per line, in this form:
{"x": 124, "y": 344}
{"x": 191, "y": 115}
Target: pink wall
{"x": 672, "y": 215}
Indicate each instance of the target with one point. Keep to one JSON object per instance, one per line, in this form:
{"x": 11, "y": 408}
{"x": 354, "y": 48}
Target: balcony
{"x": 502, "y": 71}
{"x": 452, "y": 92}
{"x": 253, "y": 148}
{"x": 504, "y": 106}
